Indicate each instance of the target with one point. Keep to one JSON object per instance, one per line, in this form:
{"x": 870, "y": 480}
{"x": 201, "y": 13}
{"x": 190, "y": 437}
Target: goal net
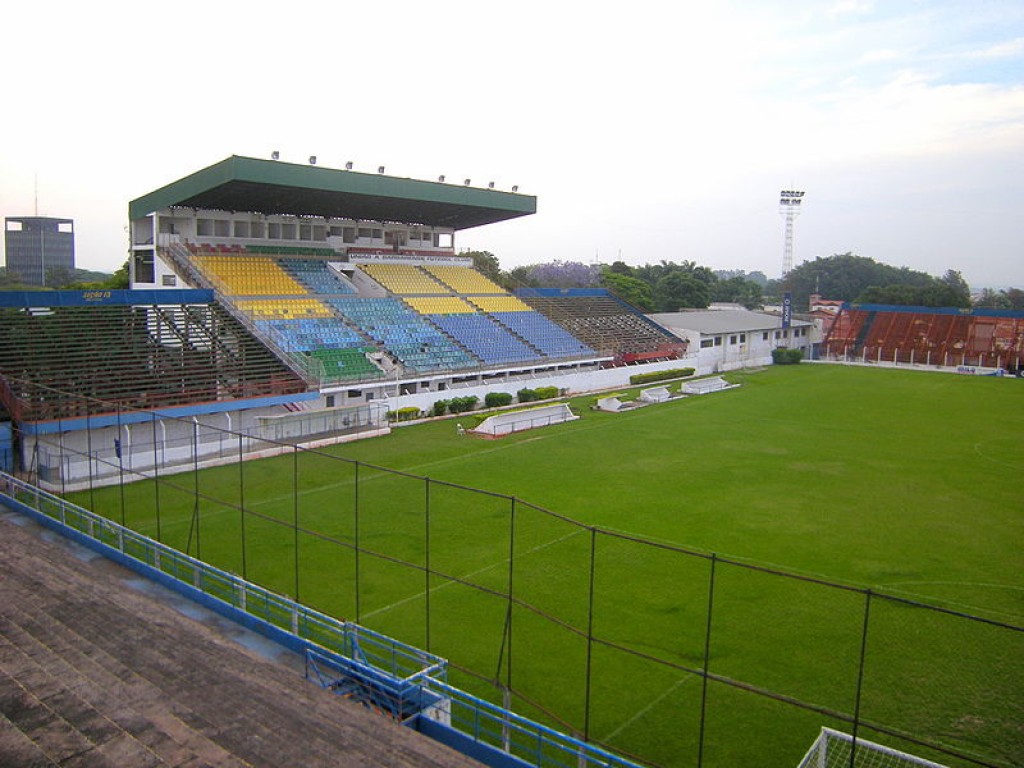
{"x": 834, "y": 749}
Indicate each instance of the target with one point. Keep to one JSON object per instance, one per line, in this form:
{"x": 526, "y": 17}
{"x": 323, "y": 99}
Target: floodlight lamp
{"x": 490, "y": 185}
{"x": 312, "y": 159}
{"x": 380, "y": 169}
{"x": 515, "y": 187}
{"x": 441, "y": 178}
{"x": 466, "y": 182}
{"x": 275, "y": 155}
{"x": 348, "y": 166}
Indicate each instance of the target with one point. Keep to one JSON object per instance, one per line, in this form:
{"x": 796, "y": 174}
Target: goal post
{"x": 835, "y": 749}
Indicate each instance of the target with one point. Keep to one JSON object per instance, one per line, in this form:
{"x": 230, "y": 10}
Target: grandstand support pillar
{"x": 912, "y": 351}
{"x": 227, "y": 433}
{"x": 163, "y": 441}
{"x": 128, "y": 444}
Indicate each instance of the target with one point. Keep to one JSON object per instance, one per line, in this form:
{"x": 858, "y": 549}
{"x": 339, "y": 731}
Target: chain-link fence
{"x": 670, "y": 656}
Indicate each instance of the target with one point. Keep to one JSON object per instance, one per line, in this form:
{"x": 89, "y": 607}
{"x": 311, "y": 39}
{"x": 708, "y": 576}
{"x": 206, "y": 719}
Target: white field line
{"x": 651, "y": 705}
{"x": 978, "y": 449}
{"x": 957, "y": 584}
{"x": 477, "y": 572}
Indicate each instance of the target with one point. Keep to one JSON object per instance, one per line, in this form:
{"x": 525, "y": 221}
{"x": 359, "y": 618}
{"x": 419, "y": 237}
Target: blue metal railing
{"x": 397, "y": 679}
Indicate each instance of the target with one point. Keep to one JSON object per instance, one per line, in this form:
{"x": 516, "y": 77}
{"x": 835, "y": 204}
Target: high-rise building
{"x": 34, "y": 246}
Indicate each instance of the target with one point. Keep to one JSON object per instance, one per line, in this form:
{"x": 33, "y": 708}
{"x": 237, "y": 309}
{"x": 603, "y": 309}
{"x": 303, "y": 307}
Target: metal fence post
{"x": 707, "y": 662}
{"x": 88, "y": 449}
{"x": 426, "y": 562}
{"x": 355, "y": 511}
{"x": 156, "y": 478}
{"x": 860, "y": 675}
{"x": 195, "y": 484}
{"x": 241, "y": 506}
{"x": 60, "y": 447}
{"x": 119, "y": 450}
{"x": 590, "y": 634}
{"x": 295, "y": 515}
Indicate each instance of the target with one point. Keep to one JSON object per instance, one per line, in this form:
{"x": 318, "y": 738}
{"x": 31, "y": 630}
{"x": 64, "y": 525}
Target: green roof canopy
{"x": 269, "y": 186}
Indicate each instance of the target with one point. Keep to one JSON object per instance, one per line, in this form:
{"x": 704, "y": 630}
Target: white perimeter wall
{"x": 575, "y": 384}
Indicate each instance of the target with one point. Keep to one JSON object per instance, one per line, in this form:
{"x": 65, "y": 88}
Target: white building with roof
{"x": 726, "y": 339}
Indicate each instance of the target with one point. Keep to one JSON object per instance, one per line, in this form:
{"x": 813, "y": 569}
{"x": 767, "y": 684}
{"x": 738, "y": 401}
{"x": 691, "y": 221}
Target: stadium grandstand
{"x": 353, "y": 279}
{"x": 946, "y": 337}
{"x": 291, "y": 302}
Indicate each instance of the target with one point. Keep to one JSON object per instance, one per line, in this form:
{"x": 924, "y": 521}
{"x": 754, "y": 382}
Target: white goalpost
{"x": 834, "y": 749}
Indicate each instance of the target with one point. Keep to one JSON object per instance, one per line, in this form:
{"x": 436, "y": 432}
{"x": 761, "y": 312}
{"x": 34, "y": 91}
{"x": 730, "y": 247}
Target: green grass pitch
{"x": 904, "y": 482}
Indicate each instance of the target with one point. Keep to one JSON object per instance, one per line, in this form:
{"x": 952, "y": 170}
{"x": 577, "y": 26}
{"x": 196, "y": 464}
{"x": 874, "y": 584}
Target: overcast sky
{"x": 647, "y": 131}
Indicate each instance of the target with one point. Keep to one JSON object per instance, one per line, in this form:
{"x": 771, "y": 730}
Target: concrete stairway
{"x": 95, "y": 673}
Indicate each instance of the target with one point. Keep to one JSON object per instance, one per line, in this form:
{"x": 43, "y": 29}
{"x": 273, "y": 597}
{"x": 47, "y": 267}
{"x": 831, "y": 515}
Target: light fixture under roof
{"x": 348, "y": 166}
{"x": 515, "y": 187}
{"x": 466, "y": 182}
{"x": 441, "y": 178}
{"x": 380, "y": 169}
{"x": 275, "y": 155}
{"x": 312, "y": 159}
{"x": 490, "y": 185}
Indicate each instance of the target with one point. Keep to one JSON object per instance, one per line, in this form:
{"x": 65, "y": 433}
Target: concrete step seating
{"x": 98, "y": 673}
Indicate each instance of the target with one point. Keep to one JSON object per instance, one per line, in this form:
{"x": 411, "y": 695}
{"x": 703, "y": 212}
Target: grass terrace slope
{"x": 907, "y": 483}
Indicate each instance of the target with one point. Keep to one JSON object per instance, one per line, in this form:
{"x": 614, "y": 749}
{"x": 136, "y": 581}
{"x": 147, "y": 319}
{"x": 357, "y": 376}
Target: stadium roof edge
{"x": 273, "y": 187}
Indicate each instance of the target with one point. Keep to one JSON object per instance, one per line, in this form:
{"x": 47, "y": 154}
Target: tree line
{"x": 671, "y": 286}
{"x": 663, "y": 287}
{"x": 64, "y": 279}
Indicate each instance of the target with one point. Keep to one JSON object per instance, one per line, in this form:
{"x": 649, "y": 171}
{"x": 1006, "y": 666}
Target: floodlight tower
{"x": 789, "y": 206}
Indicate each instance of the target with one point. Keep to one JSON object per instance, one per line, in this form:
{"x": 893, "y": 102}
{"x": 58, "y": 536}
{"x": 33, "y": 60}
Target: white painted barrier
{"x": 516, "y": 421}
{"x": 703, "y": 386}
{"x": 655, "y": 395}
